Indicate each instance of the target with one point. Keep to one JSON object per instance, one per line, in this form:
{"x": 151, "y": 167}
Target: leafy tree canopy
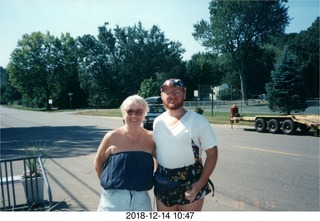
{"x": 40, "y": 66}
{"x": 240, "y": 28}
{"x": 114, "y": 65}
{"x": 36, "y": 67}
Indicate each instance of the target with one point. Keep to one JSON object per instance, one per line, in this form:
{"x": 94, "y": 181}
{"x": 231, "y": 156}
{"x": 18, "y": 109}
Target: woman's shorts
{"x": 124, "y": 200}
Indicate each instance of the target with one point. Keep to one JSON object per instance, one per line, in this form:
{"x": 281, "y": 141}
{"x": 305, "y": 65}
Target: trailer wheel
{"x": 273, "y": 126}
{"x": 260, "y": 125}
{"x": 288, "y": 127}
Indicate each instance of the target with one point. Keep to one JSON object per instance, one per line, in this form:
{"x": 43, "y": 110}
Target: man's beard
{"x": 174, "y": 106}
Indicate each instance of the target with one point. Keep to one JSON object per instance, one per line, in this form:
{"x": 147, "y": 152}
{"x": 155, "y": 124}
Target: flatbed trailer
{"x": 288, "y": 124}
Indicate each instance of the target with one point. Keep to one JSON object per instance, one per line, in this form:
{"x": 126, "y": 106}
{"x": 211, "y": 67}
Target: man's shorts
{"x": 171, "y": 184}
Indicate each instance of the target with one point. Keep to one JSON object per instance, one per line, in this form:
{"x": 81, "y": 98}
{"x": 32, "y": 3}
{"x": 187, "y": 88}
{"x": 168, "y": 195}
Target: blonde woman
{"x": 124, "y": 161}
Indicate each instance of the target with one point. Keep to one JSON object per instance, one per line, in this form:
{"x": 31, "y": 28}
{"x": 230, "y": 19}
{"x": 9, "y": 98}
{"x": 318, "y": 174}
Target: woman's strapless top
{"x": 130, "y": 170}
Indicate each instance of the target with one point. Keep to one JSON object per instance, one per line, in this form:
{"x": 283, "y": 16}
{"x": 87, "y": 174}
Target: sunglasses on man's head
{"x": 131, "y": 112}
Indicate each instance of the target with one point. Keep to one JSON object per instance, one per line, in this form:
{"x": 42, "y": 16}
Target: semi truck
{"x": 288, "y": 124}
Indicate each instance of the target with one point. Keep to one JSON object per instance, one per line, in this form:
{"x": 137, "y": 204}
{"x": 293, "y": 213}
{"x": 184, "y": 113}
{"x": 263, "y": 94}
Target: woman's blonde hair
{"x": 134, "y": 99}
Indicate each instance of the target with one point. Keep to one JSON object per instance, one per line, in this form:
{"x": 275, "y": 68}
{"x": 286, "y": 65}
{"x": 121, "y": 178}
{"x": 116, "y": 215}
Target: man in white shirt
{"x": 182, "y": 180}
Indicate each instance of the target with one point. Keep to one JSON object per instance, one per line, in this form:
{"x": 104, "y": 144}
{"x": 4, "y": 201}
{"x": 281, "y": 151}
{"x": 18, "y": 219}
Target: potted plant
{"x": 32, "y": 176}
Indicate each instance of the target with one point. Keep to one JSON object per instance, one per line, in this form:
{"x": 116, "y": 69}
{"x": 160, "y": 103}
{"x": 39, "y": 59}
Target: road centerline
{"x": 272, "y": 151}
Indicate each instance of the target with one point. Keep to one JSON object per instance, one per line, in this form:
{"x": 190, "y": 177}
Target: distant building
{"x": 216, "y": 91}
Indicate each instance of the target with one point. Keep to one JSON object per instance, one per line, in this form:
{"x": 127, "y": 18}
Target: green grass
{"x": 217, "y": 118}
{"x": 102, "y": 112}
{"x": 224, "y": 118}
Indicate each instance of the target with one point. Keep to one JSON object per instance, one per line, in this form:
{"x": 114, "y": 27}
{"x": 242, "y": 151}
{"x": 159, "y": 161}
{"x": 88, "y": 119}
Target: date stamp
{"x": 159, "y": 215}
{"x": 265, "y": 205}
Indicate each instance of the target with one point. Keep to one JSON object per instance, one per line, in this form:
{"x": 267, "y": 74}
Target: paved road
{"x": 255, "y": 172}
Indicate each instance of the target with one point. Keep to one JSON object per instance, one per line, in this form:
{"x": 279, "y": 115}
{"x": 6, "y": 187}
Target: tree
{"x": 71, "y": 83}
{"x": 114, "y": 65}
{"x": 151, "y": 87}
{"x": 36, "y": 67}
{"x": 286, "y": 91}
{"x": 306, "y": 47}
{"x": 203, "y": 69}
{"x": 239, "y": 28}
{"x": 95, "y": 70}
{"x": 8, "y": 93}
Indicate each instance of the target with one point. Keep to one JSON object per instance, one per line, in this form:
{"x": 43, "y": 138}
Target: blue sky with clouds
{"x": 78, "y": 17}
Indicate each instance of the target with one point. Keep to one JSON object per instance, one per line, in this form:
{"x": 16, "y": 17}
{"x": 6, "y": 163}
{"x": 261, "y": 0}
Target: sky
{"x": 79, "y": 17}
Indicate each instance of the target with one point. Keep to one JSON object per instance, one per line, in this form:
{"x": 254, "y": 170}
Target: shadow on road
{"x": 68, "y": 141}
{"x": 69, "y": 168}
